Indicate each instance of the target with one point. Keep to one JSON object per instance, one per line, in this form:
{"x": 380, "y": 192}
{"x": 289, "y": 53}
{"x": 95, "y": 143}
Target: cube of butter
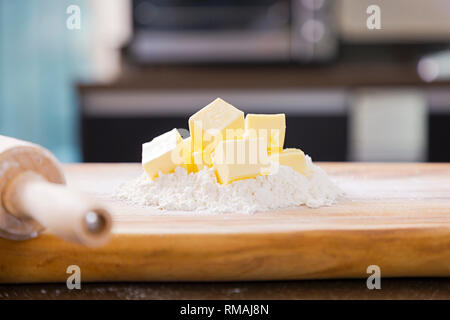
{"x": 199, "y": 164}
{"x": 162, "y": 154}
{"x": 269, "y": 126}
{"x": 187, "y": 155}
{"x": 240, "y": 159}
{"x": 294, "y": 158}
{"x": 212, "y": 124}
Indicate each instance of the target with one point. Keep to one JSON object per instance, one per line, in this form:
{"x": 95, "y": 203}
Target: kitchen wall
{"x": 41, "y": 60}
{"x": 380, "y": 95}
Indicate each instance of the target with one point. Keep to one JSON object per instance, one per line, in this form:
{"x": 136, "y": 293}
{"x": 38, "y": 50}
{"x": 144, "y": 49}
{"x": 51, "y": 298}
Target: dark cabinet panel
{"x": 439, "y": 138}
{"x": 324, "y": 138}
{"x": 120, "y": 139}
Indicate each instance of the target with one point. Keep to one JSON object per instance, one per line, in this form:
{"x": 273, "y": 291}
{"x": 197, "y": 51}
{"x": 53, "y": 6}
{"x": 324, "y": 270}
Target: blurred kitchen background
{"x": 138, "y": 68}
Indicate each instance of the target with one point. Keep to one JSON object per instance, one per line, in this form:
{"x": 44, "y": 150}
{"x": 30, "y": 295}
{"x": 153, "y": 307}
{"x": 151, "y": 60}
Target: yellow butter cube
{"x": 198, "y": 161}
{"x": 269, "y": 126}
{"x": 240, "y": 159}
{"x": 187, "y": 155}
{"x": 162, "y": 154}
{"x": 294, "y": 158}
{"x": 214, "y": 123}
{"x": 203, "y": 158}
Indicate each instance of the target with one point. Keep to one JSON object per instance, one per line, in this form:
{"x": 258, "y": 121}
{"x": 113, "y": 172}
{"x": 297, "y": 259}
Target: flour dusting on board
{"x": 200, "y": 193}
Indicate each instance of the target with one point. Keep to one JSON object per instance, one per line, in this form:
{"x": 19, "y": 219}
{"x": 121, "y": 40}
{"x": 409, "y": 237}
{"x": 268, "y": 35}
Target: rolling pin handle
{"x": 95, "y": 222}
{"x": 68, "y": 214}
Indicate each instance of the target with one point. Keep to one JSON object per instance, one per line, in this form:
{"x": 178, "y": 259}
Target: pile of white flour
{"x": 201, "y": 193}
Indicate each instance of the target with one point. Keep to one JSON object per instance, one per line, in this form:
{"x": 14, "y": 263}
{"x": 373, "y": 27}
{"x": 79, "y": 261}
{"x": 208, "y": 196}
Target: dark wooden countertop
{"x": 344, "y": 75}
{"x": 422, "y": 289}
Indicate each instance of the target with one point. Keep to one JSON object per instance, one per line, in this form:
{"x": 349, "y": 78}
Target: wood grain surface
{"x": 396, "y": 216}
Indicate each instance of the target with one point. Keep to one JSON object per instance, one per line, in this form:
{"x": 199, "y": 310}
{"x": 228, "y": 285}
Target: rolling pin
{"x": 33, "y": 197}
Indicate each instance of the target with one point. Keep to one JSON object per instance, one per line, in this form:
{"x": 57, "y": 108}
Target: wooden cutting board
{"x": 395, "y": 216}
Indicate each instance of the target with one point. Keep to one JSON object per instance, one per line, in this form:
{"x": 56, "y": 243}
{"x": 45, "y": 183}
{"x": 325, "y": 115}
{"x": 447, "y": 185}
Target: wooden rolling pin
{"x": 33, "y": 197}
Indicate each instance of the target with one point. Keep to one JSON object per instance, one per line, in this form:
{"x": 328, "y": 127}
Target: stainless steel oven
{"x": 219, "y": 31}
